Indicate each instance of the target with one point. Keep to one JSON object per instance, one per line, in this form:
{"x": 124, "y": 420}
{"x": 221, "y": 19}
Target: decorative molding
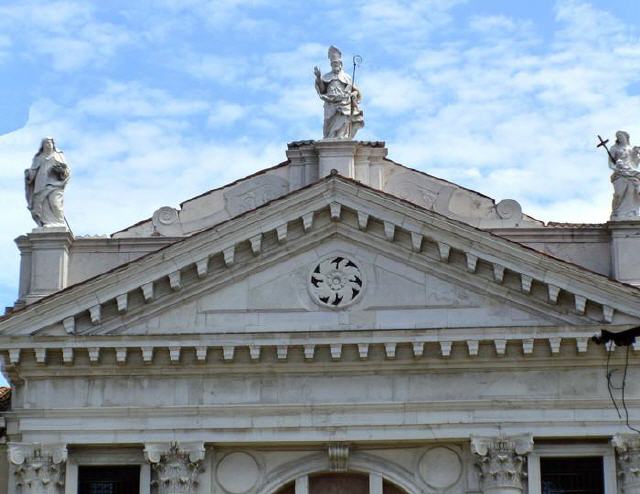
{"x": 472, "y": 262}
{"x": 229, "y": 255}
{"x": 501, "y": 346}
{"x": 122, "y": 302}
{"x": 553, "y": 291}
{"x": 175, "y": 281}
{"x": 38, "y": 468}
{"x": 69, "y": 324}
{"x": 338, "y": 457}
{"x": 202, "y": 267}
{"x": 498, "y": 273}
{"x": 416, "y": 241}
{"x": 444, "y": 250}
{"x": 363, "y": 219}
{"x": 335, "y": 209}
{"x": 445, "y": 348}
{"x": 281, "y": 232}
{"x": 418, "y": 348}
{"x": 627, "y": 447}
{"x": 363, "y": 350}
{"x": 501, "y": 461}
{"x": 525, "y": 282}
{"x": 176, "y": 466}
{"x": 389, "y": 231}
{"x": 256, "y": 244}
{"x": 390, "y": 349}
{"x": 96, "y": 314}
{"x": 147, "y": 291}
{"x": 307, "y": 221}
{"x": 473, "y": 346}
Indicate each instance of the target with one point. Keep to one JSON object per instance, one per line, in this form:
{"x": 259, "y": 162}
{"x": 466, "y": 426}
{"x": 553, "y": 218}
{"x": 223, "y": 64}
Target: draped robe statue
{"x": 342, "y": 115}
{"x": 44, "y": 185}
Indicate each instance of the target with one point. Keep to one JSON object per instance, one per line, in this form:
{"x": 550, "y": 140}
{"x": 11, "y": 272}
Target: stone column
{"x": 502, "y": 462}
{"x": 176, "y": 467}
{"x": 627, "y": 448}
{"x": 38, "y": 468}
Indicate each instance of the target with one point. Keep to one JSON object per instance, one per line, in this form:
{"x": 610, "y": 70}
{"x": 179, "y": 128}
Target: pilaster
{"x": 501, "y": 461}
{"x": 627, "y": 448}
{"x": 176, "y": 467}
{"x": 38, "y": 468}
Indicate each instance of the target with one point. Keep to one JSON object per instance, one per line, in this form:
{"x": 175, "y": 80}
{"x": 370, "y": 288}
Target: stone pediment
{"x": 263, "y": 271}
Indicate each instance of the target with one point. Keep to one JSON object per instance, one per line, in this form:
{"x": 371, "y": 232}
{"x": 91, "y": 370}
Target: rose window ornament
{"x": 336, "y": 282}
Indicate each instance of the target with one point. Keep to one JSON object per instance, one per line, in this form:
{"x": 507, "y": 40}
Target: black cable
{"x": 609, "y": 384}
{"x": 624, "y": 383}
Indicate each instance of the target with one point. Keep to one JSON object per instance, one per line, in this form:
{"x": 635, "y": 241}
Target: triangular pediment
{"x": 418, "y": 270}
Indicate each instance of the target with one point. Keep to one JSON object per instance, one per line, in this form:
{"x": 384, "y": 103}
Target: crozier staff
{"x": 44, "y": 185}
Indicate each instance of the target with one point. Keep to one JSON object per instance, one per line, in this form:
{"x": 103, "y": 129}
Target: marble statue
{"x": 624, "y": 160}
{"x": 44, "y": 185}
{"x": 342, "y": 115}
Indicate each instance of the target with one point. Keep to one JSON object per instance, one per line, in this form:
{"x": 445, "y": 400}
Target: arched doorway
{"x": 340, "y": 483}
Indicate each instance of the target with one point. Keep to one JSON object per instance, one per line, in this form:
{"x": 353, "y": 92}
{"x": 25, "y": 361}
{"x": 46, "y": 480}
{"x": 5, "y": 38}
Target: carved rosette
{"x": 501, "y": 461}
{"x": 38, "y": 468}
{"x": 176, "y": 467}
{"x": 628, "y": 460}
{"x": 336, "y": 282}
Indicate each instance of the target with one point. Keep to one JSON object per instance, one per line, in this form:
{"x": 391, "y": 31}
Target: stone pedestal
{"x": 44, "y": 262}
{"x": 359, "y": 160}
{"x": 625, "y": 251}
{"x": 627, "y": 448}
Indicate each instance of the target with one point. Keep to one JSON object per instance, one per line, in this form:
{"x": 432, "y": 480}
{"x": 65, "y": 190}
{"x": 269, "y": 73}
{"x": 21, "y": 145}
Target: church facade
{"x": 338, "y": 323}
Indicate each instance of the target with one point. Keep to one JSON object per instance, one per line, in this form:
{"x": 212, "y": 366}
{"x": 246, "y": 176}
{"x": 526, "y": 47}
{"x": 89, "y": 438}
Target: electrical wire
{"x": 610, "y": 386}
{"x": 624, "y": 384}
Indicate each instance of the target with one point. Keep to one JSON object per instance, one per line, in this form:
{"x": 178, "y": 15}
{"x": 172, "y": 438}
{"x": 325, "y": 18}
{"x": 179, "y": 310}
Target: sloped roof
{"x": 334, "y": 189}
{"x": 5, "y": 399}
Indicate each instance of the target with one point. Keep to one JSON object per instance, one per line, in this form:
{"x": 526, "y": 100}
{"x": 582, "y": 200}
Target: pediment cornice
{"x": 423, "y": 234}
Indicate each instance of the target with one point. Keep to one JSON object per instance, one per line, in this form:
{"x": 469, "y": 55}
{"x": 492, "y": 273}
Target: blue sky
{"x": 157, "y": 101}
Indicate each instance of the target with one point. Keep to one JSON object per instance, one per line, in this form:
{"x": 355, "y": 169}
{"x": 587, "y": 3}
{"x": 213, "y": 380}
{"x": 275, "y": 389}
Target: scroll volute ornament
{"x": 176, "y": 467}
{"x": 501, "y": 461}
{"x": 38, "y": 469}
{"x": 627, "y": 447}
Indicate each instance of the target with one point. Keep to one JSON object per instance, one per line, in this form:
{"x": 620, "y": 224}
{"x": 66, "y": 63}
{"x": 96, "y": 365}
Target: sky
{"x": 156, "y": 101}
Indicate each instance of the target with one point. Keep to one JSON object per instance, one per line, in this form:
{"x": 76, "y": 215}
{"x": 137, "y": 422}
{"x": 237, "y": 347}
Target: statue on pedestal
{"x": 44, "y": 185}
{"x": 342, "y": 115}
{"x": 624, "y": 160}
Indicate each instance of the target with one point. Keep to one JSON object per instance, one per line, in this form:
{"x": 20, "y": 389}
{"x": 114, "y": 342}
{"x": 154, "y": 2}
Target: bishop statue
{"x": 342, "y": 114}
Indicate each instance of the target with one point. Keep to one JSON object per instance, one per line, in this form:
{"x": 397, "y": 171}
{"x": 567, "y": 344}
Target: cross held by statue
{"x": 603, "y": 143}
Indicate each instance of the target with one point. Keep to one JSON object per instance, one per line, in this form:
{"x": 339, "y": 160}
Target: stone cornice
{"x": 423, "y": 227}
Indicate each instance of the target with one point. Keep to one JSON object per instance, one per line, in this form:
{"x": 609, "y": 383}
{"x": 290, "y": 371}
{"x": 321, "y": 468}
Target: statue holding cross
{"x": 623, "y": 161}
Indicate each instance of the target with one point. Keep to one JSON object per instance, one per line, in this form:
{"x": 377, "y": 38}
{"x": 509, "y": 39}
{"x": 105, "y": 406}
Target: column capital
{"x": 176, "y": 466}
{"x": 39, "y": 468}
{"x": 501, "y": 460}
{"x": 627, "y": 447}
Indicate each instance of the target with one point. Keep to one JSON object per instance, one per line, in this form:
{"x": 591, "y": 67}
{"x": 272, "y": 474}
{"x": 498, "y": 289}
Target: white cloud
{"x": 67, "y": 32}
{"x": 226, "y": 113}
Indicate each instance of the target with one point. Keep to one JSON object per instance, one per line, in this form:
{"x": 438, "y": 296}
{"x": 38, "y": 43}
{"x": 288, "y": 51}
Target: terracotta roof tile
{"x": 5, "y": 399}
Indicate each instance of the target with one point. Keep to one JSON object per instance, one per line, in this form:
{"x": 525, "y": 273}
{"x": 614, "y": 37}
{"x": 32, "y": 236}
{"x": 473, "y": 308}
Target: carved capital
{"x": 338, "y": 457}
{"x": 38, "y": 468}
{"x": 501, "y": 461}
{"x": 176, "y": 466}
{"x": 627, "y": 448}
